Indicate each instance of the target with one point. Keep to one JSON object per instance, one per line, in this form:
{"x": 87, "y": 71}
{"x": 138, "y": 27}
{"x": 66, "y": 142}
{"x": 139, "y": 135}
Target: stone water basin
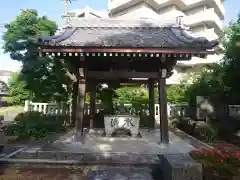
{"x": 115, "y": 122}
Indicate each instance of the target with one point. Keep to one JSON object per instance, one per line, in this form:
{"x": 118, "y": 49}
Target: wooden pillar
{"x": 74, "y": 102}
{"x": 163, "y": 107}
{"x": 80, "y": 104}
{"x": 151, "y": 101}
{"x": 92, "y": 104}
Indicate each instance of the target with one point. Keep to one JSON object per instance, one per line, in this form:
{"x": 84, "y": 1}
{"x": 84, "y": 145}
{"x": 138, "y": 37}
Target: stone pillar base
{"x": 181, "y": 167}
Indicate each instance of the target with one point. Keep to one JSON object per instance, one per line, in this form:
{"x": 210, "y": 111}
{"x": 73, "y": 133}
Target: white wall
{"x": 4, "y": 78}
{"x": 139, "y": 11}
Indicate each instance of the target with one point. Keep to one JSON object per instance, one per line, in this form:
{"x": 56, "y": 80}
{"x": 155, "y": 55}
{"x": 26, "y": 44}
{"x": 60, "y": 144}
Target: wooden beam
{"x": 121, "y": 74}
{"x": 130, "y": 81}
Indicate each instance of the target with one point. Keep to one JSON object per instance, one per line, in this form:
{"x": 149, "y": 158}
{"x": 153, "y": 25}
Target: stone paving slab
{"x": 148, "y": 144}
{"x": 89, "y": 158}
{"x": 116, "y": 158}
{"x": 107, "y": 150}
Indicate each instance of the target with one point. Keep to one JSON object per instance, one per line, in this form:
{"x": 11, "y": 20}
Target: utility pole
{"x": 66, "y": 3}
{"x": 65, "y": 15}
{"x": 66, "y": 7}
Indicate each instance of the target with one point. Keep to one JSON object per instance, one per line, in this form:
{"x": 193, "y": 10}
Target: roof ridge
{"x": 107, "y": 23}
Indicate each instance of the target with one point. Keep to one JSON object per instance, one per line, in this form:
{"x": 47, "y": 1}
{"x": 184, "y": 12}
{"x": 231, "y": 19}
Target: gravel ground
{"x": 26, "y": 173}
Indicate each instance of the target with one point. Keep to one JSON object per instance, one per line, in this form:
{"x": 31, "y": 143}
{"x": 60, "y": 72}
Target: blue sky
{"x": 54, "y": 9}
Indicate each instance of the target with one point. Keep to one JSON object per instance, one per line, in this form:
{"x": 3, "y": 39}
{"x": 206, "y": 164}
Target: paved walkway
{"x": 140, "y": 153}
{"x": 148, "y": 144}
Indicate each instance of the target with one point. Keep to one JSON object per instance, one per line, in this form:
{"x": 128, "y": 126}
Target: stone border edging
{"x": 20, "y": 149}
{"x": 190, "y": 139}
{"x": 31, "y": 162}
{"x": 181, "y": 167}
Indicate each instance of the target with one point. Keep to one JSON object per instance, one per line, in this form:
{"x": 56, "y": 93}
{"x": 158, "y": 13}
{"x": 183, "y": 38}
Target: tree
{"x": 176, "y": 93}
{"x": 221, "y": 81}
{"x": 17, "y": 93}
{"x": 209, "y": 83}
{"x": 231, "y": 63}
{"x": 131, "y": 95}
{"x": 45, "y": 76}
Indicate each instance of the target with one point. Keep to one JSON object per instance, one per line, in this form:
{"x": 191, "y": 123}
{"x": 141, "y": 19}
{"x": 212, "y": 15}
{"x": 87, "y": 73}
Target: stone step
{"x": 99, "y": 172}
{"x": 122, "y": 173}
{"x": 91, "y": 158}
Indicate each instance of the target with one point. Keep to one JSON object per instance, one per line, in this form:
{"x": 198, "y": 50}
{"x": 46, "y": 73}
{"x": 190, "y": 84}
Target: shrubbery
{"x": 218, "y": 163}
{"x": 35, "y": 125}
{"x": 206, "y": 132}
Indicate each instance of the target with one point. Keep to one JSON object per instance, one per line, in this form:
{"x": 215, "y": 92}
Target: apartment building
{"x": 203, "y": 18}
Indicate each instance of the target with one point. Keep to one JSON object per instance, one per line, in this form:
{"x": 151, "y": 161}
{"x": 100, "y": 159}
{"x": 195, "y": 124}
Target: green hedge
{"x": 35, "y": 125}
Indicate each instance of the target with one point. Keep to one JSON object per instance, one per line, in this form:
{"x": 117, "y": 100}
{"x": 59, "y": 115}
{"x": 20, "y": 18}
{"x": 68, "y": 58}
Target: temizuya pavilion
{"x": 102, "y": 50}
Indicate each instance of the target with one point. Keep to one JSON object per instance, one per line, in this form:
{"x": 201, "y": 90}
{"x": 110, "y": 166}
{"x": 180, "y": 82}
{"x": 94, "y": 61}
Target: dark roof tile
{"x": 126, "y": 34}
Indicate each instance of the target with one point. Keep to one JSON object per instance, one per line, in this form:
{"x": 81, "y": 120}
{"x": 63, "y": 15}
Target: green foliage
{"x": 131, "y": 95}
{"x": 135, "y": 96}
{"x": 176, "y": 94}
{"x": 184, "y": 125}
{"x": 43, "y": 76}
{"x": 209, "y": 83}
{"x": 231, "y": 62}
{"x": 208, "y": 134}
{"x": 221, "y": 81}
{"x": 17, "y": 90}
{"x": 204, "y": 132}
{"x": 34, "y": 125}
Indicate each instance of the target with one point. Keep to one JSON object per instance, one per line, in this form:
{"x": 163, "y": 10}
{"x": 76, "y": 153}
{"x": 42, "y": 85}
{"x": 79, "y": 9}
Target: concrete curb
{"x": 31, "y": 162}
{"x": 191, "y": 140}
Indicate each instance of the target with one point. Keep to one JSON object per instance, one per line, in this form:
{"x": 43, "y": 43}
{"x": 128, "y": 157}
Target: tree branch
{"x": 71, "y": 76}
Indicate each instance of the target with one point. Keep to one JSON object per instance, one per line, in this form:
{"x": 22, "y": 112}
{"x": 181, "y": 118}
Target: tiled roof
{"x": 141, "y": 33}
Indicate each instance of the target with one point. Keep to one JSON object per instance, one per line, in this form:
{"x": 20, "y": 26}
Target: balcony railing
{"x": 118, "y": 5}
{"x": 208, "y": 16}
{"x": 210, "y": 34}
